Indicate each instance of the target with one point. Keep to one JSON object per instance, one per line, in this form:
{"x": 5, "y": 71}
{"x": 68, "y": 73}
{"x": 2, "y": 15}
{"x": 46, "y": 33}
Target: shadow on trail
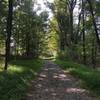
{"x": 54, "y": 84}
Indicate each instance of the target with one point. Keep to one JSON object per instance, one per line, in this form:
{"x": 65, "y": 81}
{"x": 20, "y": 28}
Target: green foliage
{"x": 14, "y": 82}
{"x": 50, "y": 40}
{"x": 90, "y": 77}
{"x": 28, "y": 28}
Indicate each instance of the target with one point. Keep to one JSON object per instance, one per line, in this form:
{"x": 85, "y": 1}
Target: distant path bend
{"x": 54, "y": 84}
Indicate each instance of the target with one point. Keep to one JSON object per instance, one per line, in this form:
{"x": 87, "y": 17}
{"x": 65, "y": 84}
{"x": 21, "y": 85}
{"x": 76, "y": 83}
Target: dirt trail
{"x": 54, "y": 84}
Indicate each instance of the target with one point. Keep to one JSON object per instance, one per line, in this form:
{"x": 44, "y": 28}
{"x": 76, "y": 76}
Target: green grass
{"x": 14, "y": 82}
{"x": 1, "y": 63}
{"x": 90, "y": 77}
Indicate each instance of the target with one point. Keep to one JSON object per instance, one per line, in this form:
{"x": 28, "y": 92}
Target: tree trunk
{"x": 9, "y": 29}
{"x": 27, "y": 45}
{"x": 71, "y": 25}
{"x": 78, "y": 28}
{"x": 94, "y": 22}
{"x": 93, "y": 53}
{"x": 83, "y": 31}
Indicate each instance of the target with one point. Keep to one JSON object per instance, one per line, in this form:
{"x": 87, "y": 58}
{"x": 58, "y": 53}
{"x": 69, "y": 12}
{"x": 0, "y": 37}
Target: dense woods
{"x": 75, "y": 26}
{"x": 22, "y": 30}
{"x": 78, "y": 30}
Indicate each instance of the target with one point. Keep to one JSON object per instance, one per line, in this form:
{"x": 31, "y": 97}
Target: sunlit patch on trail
{"x": 43, "y": 75}
{"x": 75, "y": 90}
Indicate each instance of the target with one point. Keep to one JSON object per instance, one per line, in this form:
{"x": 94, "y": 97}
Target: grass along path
{"x": 14, "y": 82}
{"x": 90, "y": 78}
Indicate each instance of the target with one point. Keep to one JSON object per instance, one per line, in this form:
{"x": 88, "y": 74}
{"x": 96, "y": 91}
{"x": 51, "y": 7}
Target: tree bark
{"x": 93, "y": 53}
{"x": 94, "y": 22}
{"x": 8, "y": 37}
{"x": 83, "y": 31}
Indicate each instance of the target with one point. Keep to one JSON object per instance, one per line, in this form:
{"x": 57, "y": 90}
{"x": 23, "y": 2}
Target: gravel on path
{"x": 54, "y": 84}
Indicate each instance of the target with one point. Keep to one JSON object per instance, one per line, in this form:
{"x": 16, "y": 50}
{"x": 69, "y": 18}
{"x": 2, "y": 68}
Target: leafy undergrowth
{"x": 14, "y": 82}
{"x": 90, "y": 77}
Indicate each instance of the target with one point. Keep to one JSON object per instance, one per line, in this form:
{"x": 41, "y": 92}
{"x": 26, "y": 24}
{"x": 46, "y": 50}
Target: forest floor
{"x": 55, "y": 84}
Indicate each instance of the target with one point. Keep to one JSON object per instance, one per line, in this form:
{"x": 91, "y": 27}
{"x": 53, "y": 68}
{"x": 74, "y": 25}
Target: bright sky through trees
{"x": 42, "y": 6}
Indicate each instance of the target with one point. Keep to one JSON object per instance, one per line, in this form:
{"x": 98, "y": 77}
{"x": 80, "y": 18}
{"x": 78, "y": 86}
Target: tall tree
{"x": 8, "y": 35}
{"x": 94, "y": 22}
{"x": 83, "y": 31}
